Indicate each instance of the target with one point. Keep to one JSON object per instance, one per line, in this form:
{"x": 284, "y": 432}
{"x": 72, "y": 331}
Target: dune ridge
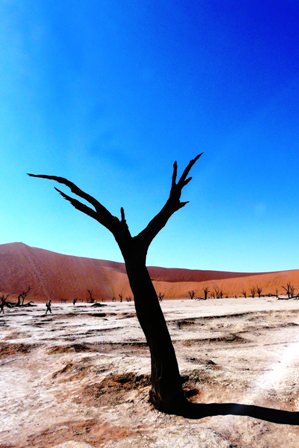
{"x": 63, "y": 277}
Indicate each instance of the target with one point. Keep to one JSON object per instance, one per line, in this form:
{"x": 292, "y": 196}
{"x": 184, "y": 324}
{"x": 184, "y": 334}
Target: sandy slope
{"x": 79, "y": 377}
{"x": 58, "y": 276}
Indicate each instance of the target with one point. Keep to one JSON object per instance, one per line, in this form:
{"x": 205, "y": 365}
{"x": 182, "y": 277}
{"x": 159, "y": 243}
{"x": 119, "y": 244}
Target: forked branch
{"x": 98, "y": 212}
{"x": 172, "y": 204}
{"x": 183, "y": 179}
{"x": 118, "y": 227}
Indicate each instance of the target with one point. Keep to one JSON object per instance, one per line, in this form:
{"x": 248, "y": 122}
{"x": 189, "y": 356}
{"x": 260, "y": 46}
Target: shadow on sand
{"x": 197, "y": 411}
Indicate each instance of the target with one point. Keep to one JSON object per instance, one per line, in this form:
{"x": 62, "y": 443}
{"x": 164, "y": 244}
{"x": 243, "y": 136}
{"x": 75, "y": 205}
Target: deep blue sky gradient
{"x": 110, "y": 93}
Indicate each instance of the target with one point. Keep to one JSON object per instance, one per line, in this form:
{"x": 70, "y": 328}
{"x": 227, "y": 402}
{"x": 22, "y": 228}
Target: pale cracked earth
{"x": 79, "y": 378}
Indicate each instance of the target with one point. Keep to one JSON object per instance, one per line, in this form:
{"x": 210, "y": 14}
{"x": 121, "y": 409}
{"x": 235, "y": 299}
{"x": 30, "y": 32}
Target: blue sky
{"x": 110, "y": 93}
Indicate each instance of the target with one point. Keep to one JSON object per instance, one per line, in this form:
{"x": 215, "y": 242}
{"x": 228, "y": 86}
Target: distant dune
{"x": 57, "y": 276}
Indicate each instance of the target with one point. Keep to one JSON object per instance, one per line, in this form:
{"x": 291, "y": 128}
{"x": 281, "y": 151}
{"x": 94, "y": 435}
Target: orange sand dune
{"x": 57, "y": 276}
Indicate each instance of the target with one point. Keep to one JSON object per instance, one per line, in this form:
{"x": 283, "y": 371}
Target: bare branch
{"x": 73, "y": 188}
{"x": 187, "y": 181}
{"x": 182, "y": 204}
{"x": 172, "y": 205}
{"x": 174, "y": 174}
{"x": 186, "y": 171}
{"x": 78, "y": 205}
{"x": 122, "y": 214}
{"x": 100, "y": 214}
{"x": 118, "y": 227}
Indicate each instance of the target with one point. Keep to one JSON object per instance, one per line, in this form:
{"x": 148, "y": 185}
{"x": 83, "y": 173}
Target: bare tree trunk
{"x": 166, "y": 392}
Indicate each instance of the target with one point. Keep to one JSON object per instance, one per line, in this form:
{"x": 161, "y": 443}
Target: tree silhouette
{"x": 3, "y": 302}
{"x": 289, "y": 289}
{"x": 218, "y": 293}
{"x": 161, "y": 296}
{"x": 166, "y": 384}
{"x": 90, "y": 298}
{"x": 22, "y": 296}
{"x": 259, "y": 291}
{"x": 191, "y": 294}
{"x": 206, "y": 292}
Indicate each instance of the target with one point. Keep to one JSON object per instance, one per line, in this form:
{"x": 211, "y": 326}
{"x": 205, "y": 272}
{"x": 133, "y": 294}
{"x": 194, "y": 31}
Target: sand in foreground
{"x": 81, "y": 375}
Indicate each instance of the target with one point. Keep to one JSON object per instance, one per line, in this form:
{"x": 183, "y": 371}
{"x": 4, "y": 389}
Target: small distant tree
{"x": 90, "y": 298}
{"x": 22, "y": 296}
{"x": 191, "y": 294}
{"x": 244, "y": 293}
{"x": 259, "y": 291}
{"x": 205, "y": 293}
{"x": 3, "y": 302}
{"x": 218, "y": 293}
{"x": 252, "y": 292}
{"x": 160, "y": 296}
{"x": 120, "y": 297}
{"x": 289, "y": 289}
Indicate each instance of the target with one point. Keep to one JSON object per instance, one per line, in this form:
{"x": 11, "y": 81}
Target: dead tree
{"x": 166, "y": 392}
{"x": 259, "y": 291}
{"x": 90, "y": 298}
{"x": 252, "y": 292}
{"x": 22, "y": 296}
{"x": 218, "y": 293}
{"x": 120, "y": 297}
{"x": 4, "y": 297}
{"x": 3, "y": 302}
{"x": 244, "y": 294}
{"x": 191, "y": 294}
{"x": 289, "y": 289}
{"x": 160, "y": 296}
{"x": 206, "y": 292}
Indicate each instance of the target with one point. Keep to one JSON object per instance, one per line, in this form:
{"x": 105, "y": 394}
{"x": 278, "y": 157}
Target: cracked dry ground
{"x": 80, "y": 377}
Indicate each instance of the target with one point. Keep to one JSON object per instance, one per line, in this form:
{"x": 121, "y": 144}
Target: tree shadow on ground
{"x": 200, "y": 410}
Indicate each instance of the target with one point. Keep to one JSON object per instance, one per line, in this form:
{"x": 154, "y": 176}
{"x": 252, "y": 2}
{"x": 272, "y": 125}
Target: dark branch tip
{"x": 122, "y": 214}
{"x": 59, "y": 191}
{"x": 187, "y": 180}
{"x": 38, "y": 175}
{"x": 193, "y": 161}
{"x": 65, "y": 196}
{"x": 182, "y": 204}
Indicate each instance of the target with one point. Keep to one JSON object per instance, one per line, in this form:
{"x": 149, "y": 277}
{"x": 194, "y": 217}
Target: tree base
{"x": 170, "y": 403}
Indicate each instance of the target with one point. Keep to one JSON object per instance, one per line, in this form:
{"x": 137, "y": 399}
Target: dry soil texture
{"x": 80, "y": 377}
